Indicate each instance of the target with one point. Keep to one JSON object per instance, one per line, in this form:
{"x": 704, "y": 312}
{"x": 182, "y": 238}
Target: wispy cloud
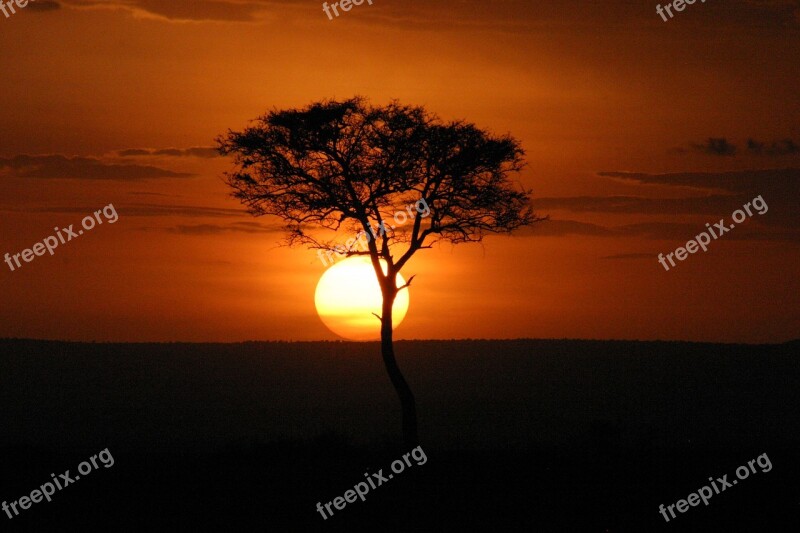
{"x": 629, "y": 256}
{"x": 775, "y": 149}
{"x": 725, "y": 193}
{"x": 636, "y": 204}
{"x": 554, "y": 228}
{"x": 196, "y": 151}
{"x": 715, "y": 146}
{"x": 721, "y": 146}
{"x": 782, "y": 181}
{"x": 216, "y": 229}
{"x": 84, "y": 168}
{"x": 143, "y": 210}
{"x": 668, "y": 231}
{"x": 186, "y": 10}
{"x": 508, "y": 15}
{"x": 43, "y": 5}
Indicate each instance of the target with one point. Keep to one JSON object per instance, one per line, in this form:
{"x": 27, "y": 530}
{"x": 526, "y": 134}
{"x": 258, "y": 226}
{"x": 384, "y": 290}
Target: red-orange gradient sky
{"x": 594, "y": 90}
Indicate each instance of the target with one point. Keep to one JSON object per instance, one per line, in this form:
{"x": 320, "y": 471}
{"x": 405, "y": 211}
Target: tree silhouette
{"x": 348, "y": 165}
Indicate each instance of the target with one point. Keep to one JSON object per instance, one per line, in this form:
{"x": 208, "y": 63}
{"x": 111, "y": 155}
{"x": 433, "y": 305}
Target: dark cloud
{"x": 553, "y": 228}
{"x": 216, "y": 229}
{"x": 410, "y": 13}
{"x": 43, "y": 5}
{"x": 720, "y": 146}
{"x": 671, "y": 231}
{"x": 159, "y": 210}
{"x": 784, "y": 182}
{"x": 715, "y": 146}
{"x": 675, "y": 232}
{"x": 186, "y": 10}
{"x": 146, "y": 210}
{"x": 712, "y": 204}
{"x": 524, "y": 15}
{"x": 750, "y": 230}
{"x": 202, "y": 9}
{"x": 777, "y": 190}
{"x": 629, "y": 256}
{"x": 521, "y": 16}
{"x": 88, "y": 168}
{"x": 133, "y": 152}
{"x": 777, "y": 148}
{"x": 199, "y": 151}
{"x": 196, "y": 151}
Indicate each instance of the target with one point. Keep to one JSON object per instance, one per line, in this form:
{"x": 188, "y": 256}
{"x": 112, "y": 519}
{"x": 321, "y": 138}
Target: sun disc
{"x": 348, "y": 294}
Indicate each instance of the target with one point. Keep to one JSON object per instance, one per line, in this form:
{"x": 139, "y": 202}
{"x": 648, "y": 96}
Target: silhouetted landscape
{"x": 540, "y": 435}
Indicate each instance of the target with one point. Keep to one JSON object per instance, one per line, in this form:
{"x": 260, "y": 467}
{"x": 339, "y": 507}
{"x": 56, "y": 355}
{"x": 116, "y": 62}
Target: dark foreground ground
{"x": 519, "y": 435}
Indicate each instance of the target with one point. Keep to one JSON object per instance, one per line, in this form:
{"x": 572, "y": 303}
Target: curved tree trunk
{"x": 407, "y": 402}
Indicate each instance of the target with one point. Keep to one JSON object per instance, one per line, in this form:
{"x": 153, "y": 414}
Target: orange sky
{"x": 588, "y": 89}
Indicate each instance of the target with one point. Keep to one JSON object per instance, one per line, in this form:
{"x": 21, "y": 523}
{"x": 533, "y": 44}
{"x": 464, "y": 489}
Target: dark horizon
{"x": 280, "y": 426}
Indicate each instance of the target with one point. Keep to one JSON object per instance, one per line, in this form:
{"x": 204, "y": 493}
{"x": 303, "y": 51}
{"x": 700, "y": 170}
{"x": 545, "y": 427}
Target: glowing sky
{"x": 118, "y": 101}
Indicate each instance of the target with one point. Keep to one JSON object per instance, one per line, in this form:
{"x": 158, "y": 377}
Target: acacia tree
{"x": 346, "y": 165}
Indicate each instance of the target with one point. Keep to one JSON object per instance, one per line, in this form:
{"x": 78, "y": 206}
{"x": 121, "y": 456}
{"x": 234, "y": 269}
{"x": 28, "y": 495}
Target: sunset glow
{"x": 636, "y": 134}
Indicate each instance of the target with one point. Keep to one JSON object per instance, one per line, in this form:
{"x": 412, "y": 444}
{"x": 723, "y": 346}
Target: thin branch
{"x": 408, "y": 283}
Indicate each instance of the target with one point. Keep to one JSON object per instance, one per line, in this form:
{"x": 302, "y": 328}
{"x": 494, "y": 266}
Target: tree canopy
{"x": 348, "y": 164}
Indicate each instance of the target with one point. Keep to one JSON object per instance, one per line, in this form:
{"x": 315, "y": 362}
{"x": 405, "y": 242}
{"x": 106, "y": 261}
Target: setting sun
{"x": 348, "y": 294}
